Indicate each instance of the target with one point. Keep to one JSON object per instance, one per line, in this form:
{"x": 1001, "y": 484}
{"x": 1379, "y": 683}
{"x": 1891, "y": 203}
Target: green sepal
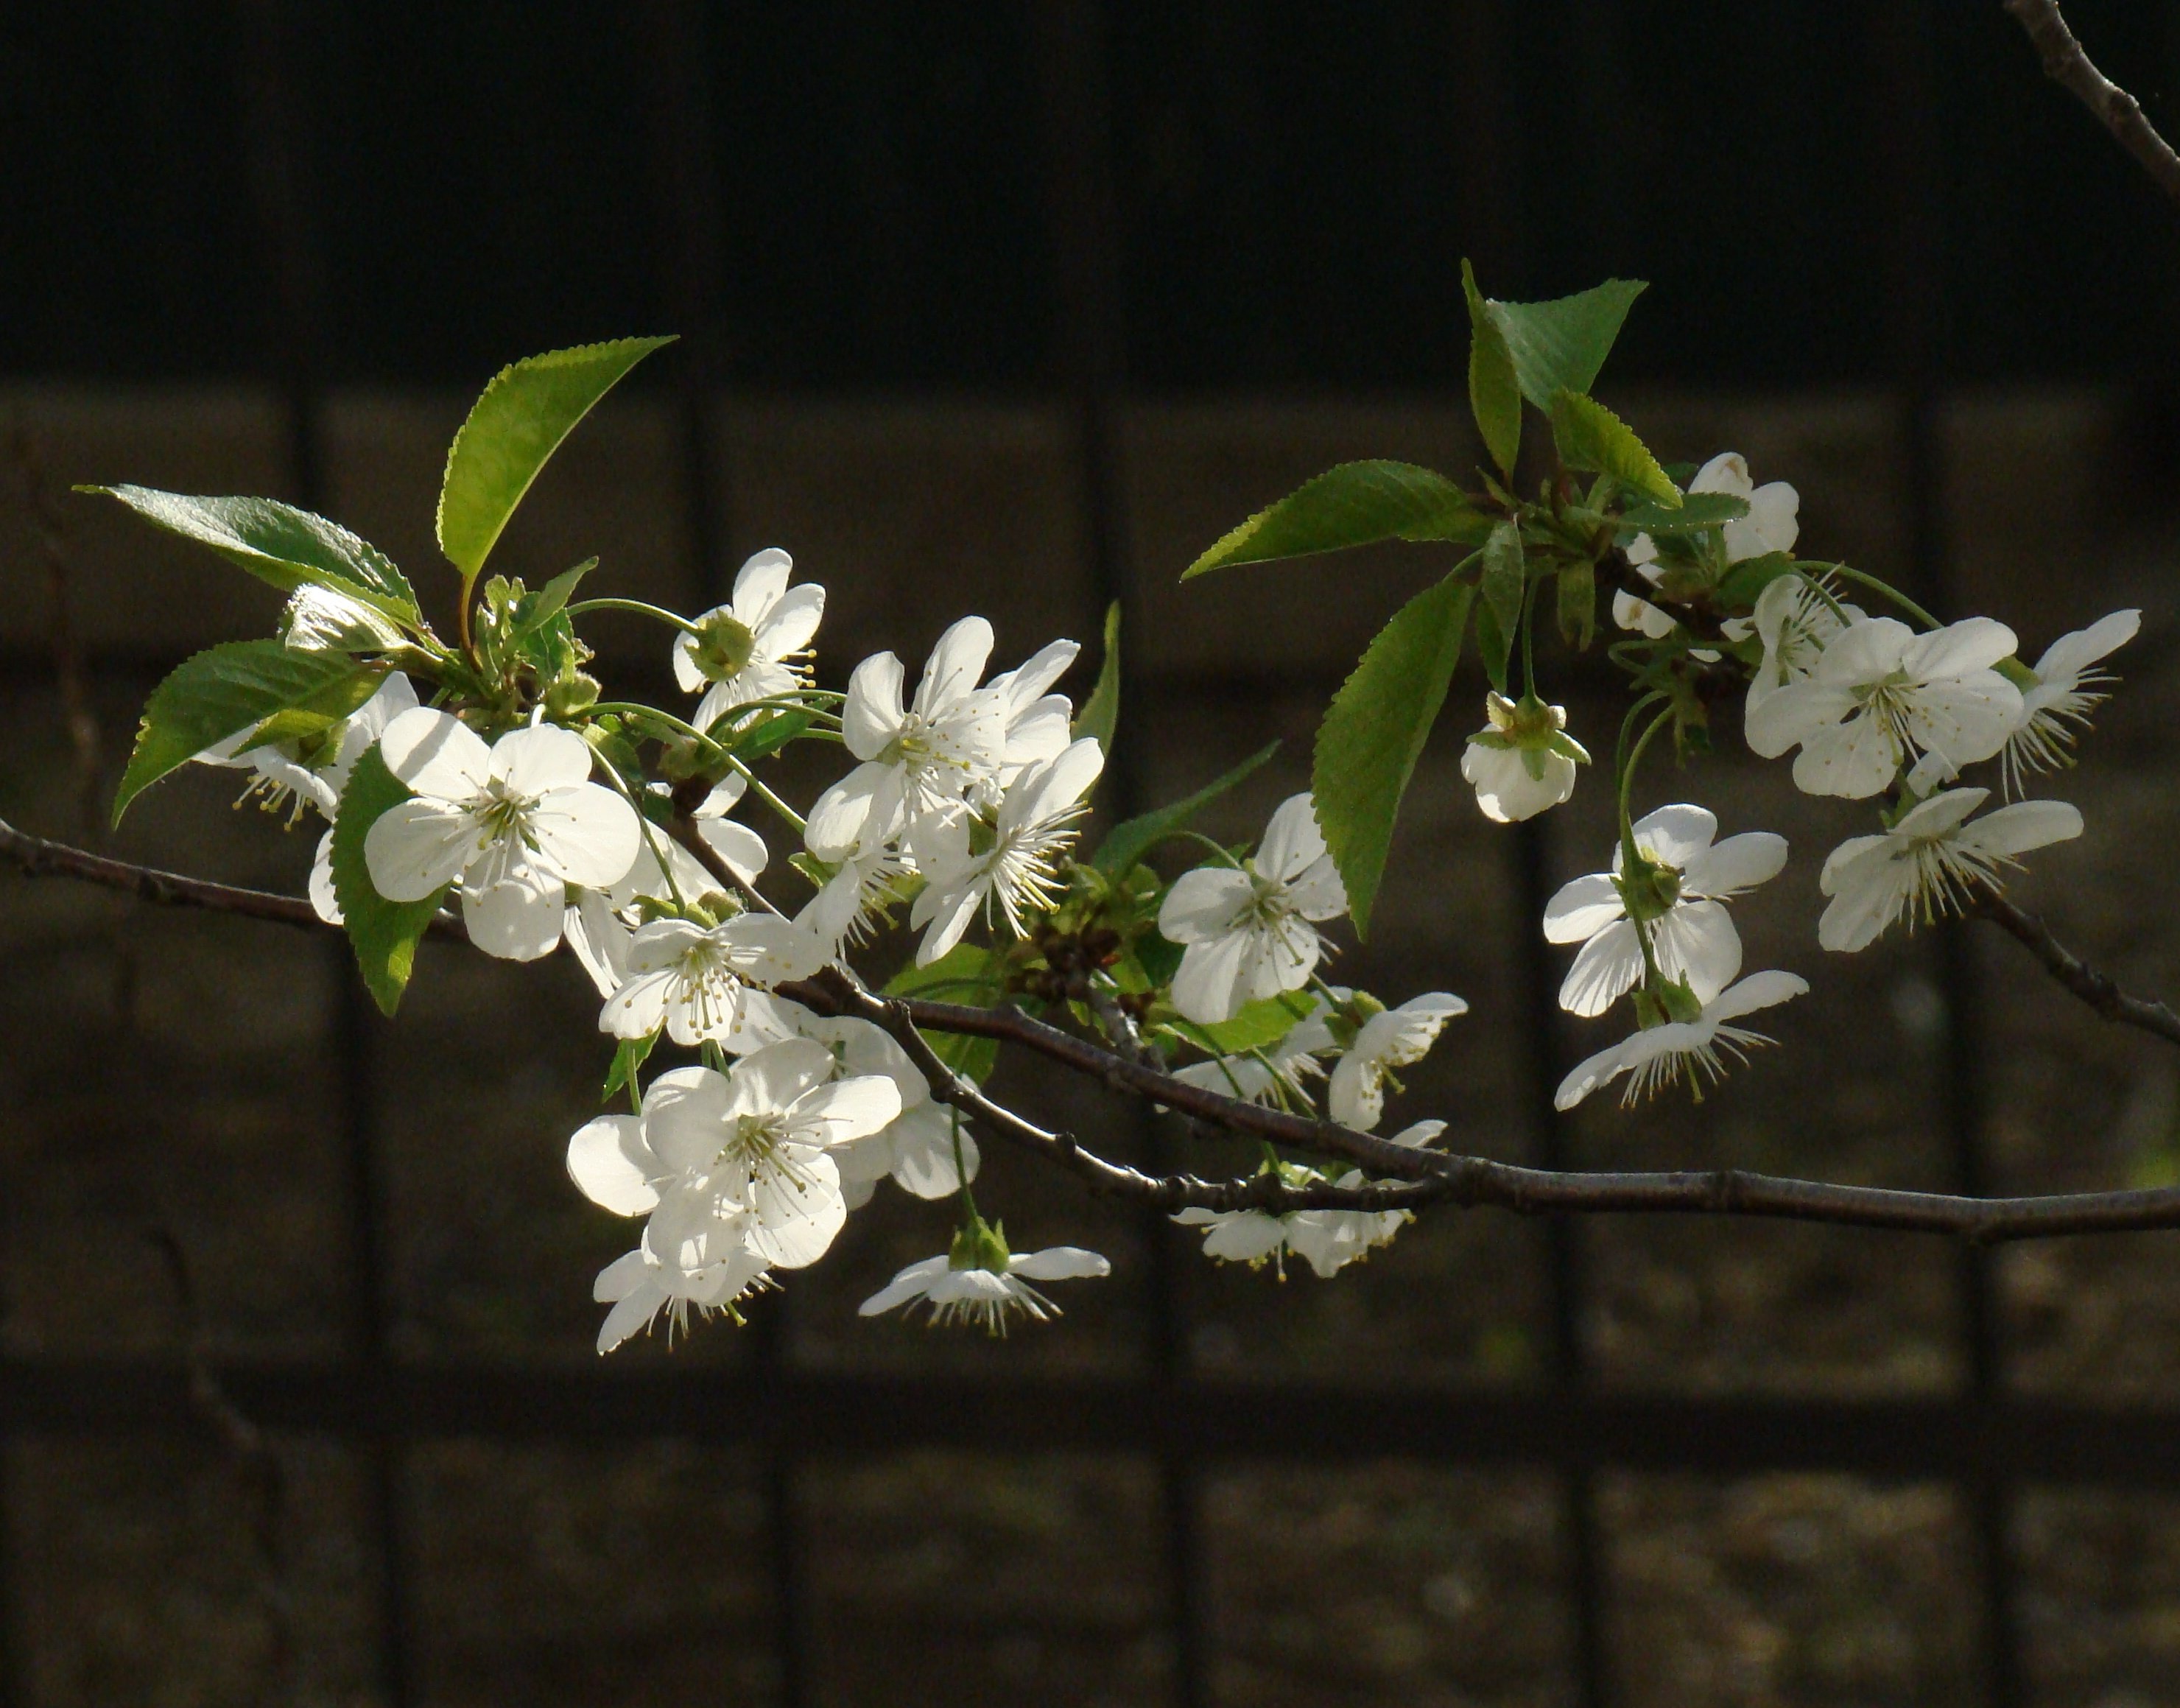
{"x": 1101, "y": 713}
{"x": 512, "y": 432}
{"x": 281, "y": 545}
{"x": 1590, "y": 436}
{"x": 261, "y": 686}
{"x": 1577, "y": 603}
{"x": 1358, "y": 504}
{"x": 1505, "y": 585}
{"x": 1373, "y": 733}
{"x": 384, "y": 934}
{"x": 629, "y": 1056}
{"x": 1494, "y": 393}
{"x": 1128, "y": 842}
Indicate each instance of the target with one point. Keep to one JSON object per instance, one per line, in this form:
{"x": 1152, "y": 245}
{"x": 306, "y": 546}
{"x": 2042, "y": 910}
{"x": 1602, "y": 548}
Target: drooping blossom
{"x": 1796, "y": 620}
{"x": 1881, "y": 695}
{"x": 1278, "y": 1073}
{"x": 2069, "y": 685}
{"x": 1696, "y": 1050}
{"x": 638, "y": 1286}
{"x": 751, "y": 647}
{"x": 1680, "y": 895}
{"x": 1931, "y": 862}
{"x": 293, "y": 774}
{"x": 1522, "y": 761}
{"x": 988, "y": 1293}
{"x": 515, "y": 823}
{"x": 1327, "y": 1240}
{"x": 1394, "y": 1038}
{"x": 1250, "y": 929}
{"x": 1016, "y": 875}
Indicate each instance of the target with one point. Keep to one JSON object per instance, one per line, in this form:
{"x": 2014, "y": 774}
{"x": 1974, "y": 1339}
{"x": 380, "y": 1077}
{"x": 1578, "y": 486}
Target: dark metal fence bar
{"x": 275, "y": 109}
{"x": 1946, "y": 1437}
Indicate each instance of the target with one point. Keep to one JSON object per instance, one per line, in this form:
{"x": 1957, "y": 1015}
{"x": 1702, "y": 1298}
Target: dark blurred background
{"x": 1013, "y": 308}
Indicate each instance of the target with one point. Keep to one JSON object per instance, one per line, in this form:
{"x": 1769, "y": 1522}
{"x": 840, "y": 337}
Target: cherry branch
{"x": 2095, "y": 989}
{"x": 1419, "y": 1177}
{"x": 2067, "y": 63}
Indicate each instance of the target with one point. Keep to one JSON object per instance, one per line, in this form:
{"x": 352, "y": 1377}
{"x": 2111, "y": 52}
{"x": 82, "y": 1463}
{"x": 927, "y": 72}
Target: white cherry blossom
{"x": 1930, "y": 862}
{"x": 750, "y": 648}
{"x": 1017, "y": 874}
{"x": 1327, "y": 1240}
{"x": 1795, "y": 621}
{"x": 1881, "y": 694}
{"x": 989, "y": 1296}
{"x": 1522, "y": 761}
{"x": 515, "y": 823}
{"x": 1250, "y": 930}
{"x": 1038, "y": 722}
{"x": 917, "y": 757}
{"x": 697, "y": 982}
{"x": 739, "y": 1161}
{"x": 1682, "y": 898}
{"x": 1692, "y": 1050}
{"x": 1397, "y": 1037}
{"x": 639, "y": 1286}
{"x": 2056, "y": 708}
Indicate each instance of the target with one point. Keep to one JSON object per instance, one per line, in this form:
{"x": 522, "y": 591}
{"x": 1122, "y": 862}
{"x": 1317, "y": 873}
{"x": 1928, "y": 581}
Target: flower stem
{"x": 1624, "y": 765}
{"x": 771, "y": 800}
{"x": 657, "y": 612}
{"x": 1890, "y": 592}
{"x": 961, "y": 1173}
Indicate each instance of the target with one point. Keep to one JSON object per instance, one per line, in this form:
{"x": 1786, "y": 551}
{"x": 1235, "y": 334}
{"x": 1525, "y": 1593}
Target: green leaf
{"x": 1590, "y": 436}
{"x": 1352, "y": 504}
{"x": 1577, "y": 603}
{"x": 962, "y": 974}
{"x": 1505, "y": 585}
{"x": 1561, "y": 345}
{"x": 1695, "y": 511}
{"x": 1495, "y": 395}
{"x": 629, "y": 1056}
{"x": 279, "y": 544}
{"x": 383, "y": 932}
{"x": 1129, "y": 840}
{"x": 515, "y": 428}
{"x": 1258, "y": 1025}
{"x": 767, "y": 735}
{"x": 1741, "y": 585}
{"x": 1368, "y": 746}
{"x": 537, "y": 609}
{"x": 1101, "y": 713}
{"x": 238, "y": 686}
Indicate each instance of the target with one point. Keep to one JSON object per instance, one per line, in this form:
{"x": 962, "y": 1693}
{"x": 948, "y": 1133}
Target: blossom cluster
{"x": 489, "y": 784}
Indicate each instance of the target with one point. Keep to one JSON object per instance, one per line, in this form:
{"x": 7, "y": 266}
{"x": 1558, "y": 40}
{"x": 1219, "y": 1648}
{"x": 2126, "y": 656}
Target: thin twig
{"x": 2095, "y": 989}
{"x": 1418, "y": 1176}
{"x": 2066, "y": 63}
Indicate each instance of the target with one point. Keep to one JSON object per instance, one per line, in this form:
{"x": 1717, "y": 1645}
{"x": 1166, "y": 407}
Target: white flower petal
{"x": 1581, "y": 908}
{"x": 1292, "y": 841}
{"x": 609, "y": 1160}
{"x": 1059, "y": 1263}
{"x": 586, "y": 834}
{"x": 435, "y": 754}
{"x": 519, "y": 920}
{"x": 417, "y": 847}
{"x": 910, "y": 1283}
{"x": 542, "y": 760}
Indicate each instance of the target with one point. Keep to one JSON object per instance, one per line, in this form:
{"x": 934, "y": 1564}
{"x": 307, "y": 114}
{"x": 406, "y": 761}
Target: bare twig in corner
{"x": 256, "y": 1463}
{"x": 2095, "y": 989}
{"x": 2066, "y": 63}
